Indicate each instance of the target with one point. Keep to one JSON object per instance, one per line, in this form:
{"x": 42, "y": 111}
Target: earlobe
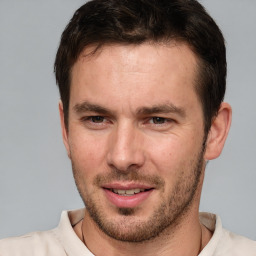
{"x": 64, "y": 129}
{"x": 218, "y": 132}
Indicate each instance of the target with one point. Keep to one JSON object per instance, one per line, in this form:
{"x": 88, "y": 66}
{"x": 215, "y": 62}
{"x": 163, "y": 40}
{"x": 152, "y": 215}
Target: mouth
{"x": 128, "y": 192}
{"x": 127, "y": 196}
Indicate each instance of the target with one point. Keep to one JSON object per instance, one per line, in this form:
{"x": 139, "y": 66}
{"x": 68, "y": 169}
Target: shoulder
{"x": 224, "y": 242}
{"x": 36, "y": 243}
{"x": 236, "y": 245}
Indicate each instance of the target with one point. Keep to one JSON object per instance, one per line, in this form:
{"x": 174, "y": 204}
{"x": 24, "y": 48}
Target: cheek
{"x": 172, "y": 153}
{"x": 87, "y": 151}
{"x": 87, "y": 160}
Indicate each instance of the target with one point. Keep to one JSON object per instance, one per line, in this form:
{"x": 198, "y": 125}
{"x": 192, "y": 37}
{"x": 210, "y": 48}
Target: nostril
{"x": 123, "y": 163}
{"x": 125, "y": 148}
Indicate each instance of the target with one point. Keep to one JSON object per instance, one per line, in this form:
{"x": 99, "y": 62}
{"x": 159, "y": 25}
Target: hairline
{"x": 97, "y": 47}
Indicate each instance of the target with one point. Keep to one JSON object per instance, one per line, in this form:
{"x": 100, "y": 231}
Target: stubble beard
{"x": 169, "y": 213}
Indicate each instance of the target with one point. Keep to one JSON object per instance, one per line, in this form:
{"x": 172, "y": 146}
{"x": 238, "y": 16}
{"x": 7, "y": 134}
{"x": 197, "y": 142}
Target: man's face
{"x": 136, "y": 137}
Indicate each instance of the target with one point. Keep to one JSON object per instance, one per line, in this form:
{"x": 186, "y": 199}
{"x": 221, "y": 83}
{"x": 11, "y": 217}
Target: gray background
{"x": 36, "y": 182}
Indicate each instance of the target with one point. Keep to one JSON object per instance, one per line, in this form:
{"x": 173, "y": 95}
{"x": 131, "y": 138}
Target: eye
{"x": 96, "y": 119}
{"x": 158, "y": 120}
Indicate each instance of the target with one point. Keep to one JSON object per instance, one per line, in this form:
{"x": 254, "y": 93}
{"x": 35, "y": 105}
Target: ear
{"x": 64, "y": 128}
{"x": 218, "y": 132}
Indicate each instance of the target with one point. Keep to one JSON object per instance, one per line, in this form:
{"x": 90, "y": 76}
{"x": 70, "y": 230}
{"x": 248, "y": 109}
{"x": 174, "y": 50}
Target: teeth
{"x": 120, "y": 192}
{"x": 128, "y": 192}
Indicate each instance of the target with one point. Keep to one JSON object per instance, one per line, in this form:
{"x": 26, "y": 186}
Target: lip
{"x": 126, "y": 186}
{"x": 127, "y": 201}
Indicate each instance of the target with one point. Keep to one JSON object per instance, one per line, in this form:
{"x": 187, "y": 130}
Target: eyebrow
{"x": 90, "y": 107}
{"x": 163, "y": 108}
{"x": 155, "y": 109}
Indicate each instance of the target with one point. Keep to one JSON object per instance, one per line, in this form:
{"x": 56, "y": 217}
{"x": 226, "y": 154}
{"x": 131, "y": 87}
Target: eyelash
{"x": 165, "y": 120}
{"x": 90, "y": 119}
{"x": 96, "y": 117}
{"x": 152, "y": 121}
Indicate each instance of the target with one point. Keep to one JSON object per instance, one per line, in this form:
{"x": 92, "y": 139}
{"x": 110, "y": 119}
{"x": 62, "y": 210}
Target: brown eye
{"x": 158, "y": 120}
{"x": 97, "y": 119}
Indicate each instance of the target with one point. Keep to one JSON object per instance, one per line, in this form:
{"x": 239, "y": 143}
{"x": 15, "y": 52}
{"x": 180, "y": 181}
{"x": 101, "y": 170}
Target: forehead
{"x": 152, "y": 72}
{"x": 134, "y": 57}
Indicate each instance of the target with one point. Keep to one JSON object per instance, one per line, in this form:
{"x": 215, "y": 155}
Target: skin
{"x": 135, "y": 119}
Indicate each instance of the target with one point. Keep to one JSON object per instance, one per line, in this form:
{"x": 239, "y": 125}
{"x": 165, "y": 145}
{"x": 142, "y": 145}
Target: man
{"x": 142, "y": 84}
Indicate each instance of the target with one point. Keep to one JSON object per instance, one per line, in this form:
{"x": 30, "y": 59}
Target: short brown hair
{"x": 99, "y": 22}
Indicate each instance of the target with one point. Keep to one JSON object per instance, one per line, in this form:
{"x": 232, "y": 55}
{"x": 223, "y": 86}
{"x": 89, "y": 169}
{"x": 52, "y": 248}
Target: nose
{"x": 125, "y": 148}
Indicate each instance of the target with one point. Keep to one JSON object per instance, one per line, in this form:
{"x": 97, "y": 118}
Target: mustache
{"x": 133, "y": 175}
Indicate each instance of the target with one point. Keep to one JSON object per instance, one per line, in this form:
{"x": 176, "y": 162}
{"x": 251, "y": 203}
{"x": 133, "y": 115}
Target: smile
{"x": 129, "y": 192}
{"x": 124, "y": 197}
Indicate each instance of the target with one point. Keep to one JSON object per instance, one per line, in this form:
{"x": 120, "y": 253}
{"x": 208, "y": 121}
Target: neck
{"x": 188, "y": 232}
